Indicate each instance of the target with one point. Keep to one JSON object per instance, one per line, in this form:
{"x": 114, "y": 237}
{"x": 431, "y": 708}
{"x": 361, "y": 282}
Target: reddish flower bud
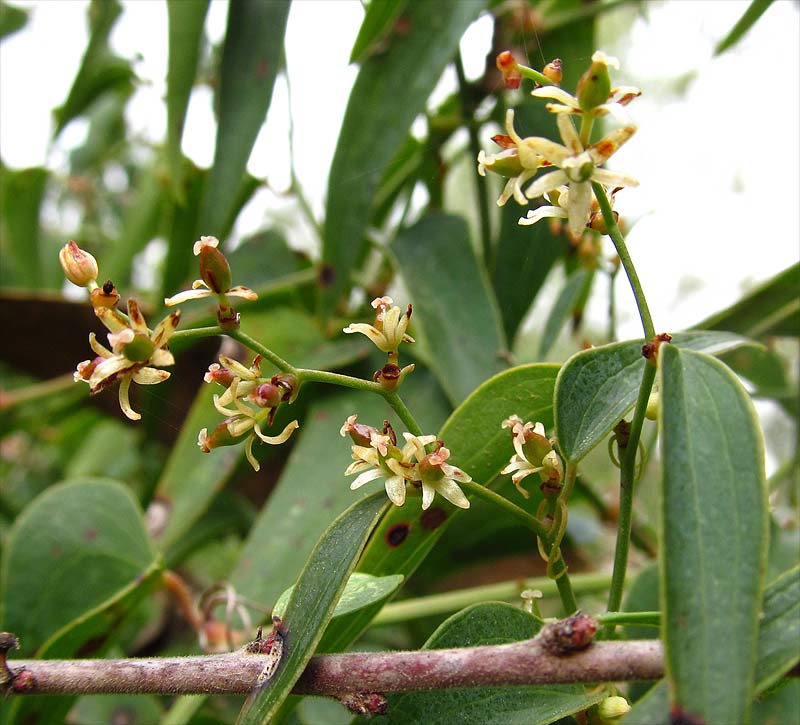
{"x": 79, "y": 267}
{"x": 507, "y": 65}
{"x": 553, "y": 71}
{"x": 214, "y": 269}
{"x": 266, "y": 395}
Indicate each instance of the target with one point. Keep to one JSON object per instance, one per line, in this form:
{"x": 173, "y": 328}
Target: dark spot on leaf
{"x": 594, "y": 78}
{"x": 90, "y": 534}
{"x": 397, "y": 534}
{"x": 55, "y": 552}
{"x": 433, "y": 518}
{"x": 678, "y": 716}
{"x": 326, "y": 276}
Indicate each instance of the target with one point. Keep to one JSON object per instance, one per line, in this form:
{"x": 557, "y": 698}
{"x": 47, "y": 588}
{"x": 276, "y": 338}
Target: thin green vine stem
{"x": 265, "y": 352}
{"x": 196, "y": 332}
{"x": 627, "y": 484}
{"x": 528, "y": 520}
{"x": 627, "y": 263}
{"x": 399, "y": 407}
{"x": 534, "y": 75}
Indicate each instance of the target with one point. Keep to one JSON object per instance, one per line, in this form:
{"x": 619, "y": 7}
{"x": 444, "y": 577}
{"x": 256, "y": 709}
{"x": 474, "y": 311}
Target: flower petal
{"x": 150, "y": 376}
{"x": 546, "y": 183}
{"x": 243, "y": 292}
{"x": 557, "y": 94}
{"x": 366, "y": 477}
{"x": 580, "y": 201}
{"x": 190, "y": 294}
{"x": 396, "y": 490}
{"x": 428, "y": 493}
{"x": 124, "y": 400}
{"x": 248, "y": 453}
{"x": 542, "y": 212}
{"x": 450, "y": 490}
{"x": 278, "y": 439}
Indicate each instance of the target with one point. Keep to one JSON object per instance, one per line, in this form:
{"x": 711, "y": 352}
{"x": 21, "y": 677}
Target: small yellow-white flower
{"x": 216, "y": 276}
{"x": 390, "y": 326}
{"x": 136, "y": 354}
{"x": 534, "y": 454}
{"x": 435, "y": 474}
{"x": 577, "y": 168}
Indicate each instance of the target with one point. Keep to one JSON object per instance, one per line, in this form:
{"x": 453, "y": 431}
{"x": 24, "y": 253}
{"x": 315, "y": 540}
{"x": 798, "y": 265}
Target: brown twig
{"x": 521, "y": 663}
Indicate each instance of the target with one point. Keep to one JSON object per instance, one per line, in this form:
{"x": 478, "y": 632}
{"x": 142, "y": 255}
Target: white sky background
{"x": 717, "y": 208}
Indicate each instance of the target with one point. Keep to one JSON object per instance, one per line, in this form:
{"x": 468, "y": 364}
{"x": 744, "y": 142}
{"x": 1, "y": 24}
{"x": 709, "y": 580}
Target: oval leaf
{"x": 714, "y": 523}
{"x": 597, "y": 387}
{"x": 312, "y": 602}
{"x": 488, "y": 624}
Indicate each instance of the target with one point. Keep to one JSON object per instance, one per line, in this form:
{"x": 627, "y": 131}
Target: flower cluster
{"x": 386, "y": 334}
{"x": 249, "y": 401}
{"x": 376, "y": 455}
{"x": 534, "y": 454}
{"x": 575, "y": 162}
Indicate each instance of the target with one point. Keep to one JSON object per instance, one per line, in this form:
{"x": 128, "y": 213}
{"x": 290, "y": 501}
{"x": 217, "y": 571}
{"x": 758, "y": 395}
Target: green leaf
{"x": 714, "y": 523}
{"x": 596, "y": 388}
{"x": 376, "y": 26}
{"x": 773, "y": 308}
{"x": 191, "y": 478}
{"x": 360, "y": 591}
{"x": 78, "y": 549}
{"x": 779, "y": 629}
{"x": 479, "y": 446}
{"x": 12, "y": 19}
{"x": 311, "y": 492}
{"x": 106, "y": 135}
{"x": 780, "y": 706}
{"x": 21, "y": 194}
{"x": 453, "y": 303}
{"x": 312, "y": 602}
{"x": 754, "y": 11}
{"x": 564, "y": 304}
{"x": 250, "y": 60}
{"x": 390, "y": 91}
{"x": 101, "y": 71}
{"x": 185, "y": 21}
{"x": 488, "y": 624}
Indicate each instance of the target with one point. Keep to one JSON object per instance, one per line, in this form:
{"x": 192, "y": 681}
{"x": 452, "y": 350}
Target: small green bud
{"x": 140, "y": 349}
{"x": 653, "y": 405}
{"x": 594, "y": 87}
{"x": 612, "y": 710}
{"x": 214, "y": 269}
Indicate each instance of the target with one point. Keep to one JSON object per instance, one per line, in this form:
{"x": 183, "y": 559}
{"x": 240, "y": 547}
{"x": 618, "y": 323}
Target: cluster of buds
{"x": 377, "y": 455}
{"x": 136, "y": 353}
{"x": 534, "y": 454}
{"x": 386, "y": 334}
{"x": 215, "y": 281}
{"x": 575, "y": 163}
{"x": 250, "y": 401}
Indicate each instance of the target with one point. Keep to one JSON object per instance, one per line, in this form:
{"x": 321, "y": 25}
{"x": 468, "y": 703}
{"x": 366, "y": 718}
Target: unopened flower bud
{"x": 552, "y": 474}
{"x": 507, "y": 65}
{"x": 219, "y": 374}
{"x": 220, "y": 437}
{"x": 266, "y": 395}
{"x": 594, "y": 87}
{"x": 612, "y": 710}
{"x": 105, "y": 296}
{"x": 359, "y": 432}
{"x": 653, "y": 405}
{"x": 214, "y": 268}
{"x": 79, "y": 266}
{"x": 598, "y": 222}
{"x": 553, "y": 71}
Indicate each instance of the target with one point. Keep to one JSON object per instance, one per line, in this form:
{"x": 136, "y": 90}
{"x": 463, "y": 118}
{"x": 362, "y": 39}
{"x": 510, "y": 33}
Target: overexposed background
{"x": 716, "y": 153}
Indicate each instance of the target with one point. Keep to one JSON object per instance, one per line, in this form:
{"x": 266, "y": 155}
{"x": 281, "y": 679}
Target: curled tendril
{"x": 641, "y": 457}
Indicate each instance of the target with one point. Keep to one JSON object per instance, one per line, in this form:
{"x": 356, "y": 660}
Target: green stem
{"x": 626, "y": 483}
{"x": 196, "y": 332}
{"x": 526, "y": 519}
{"x": 534, "y": 75}
{"x": 399, "y": 407}
{"x": 265, "y": 352}
{"x": 437, "y": 604}
{"x": 564, "y": 584}
{"x": 587, "y": 123}
{"x": 622, "y": 250}
{"x": 467, "y": 111}
{"x": 638, "y": 619}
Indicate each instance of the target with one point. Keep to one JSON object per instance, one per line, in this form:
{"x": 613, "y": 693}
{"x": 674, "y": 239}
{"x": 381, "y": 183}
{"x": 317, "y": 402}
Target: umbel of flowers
{"x": 569, "y": 167}
{"x": 377, "y": 455}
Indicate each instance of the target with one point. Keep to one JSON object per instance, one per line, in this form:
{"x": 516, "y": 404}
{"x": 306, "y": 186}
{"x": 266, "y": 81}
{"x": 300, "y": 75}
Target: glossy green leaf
{"x": 250, "y": 60}
{"x": 376, "y": 26}
{"x": 100, "y": 71}
{"x": 479, "y": 446}
{"x": 313, "y": 600}
{"x": 714, "y": 523}
{"x": 779, "y": 632}
{"x": 360, "y": 591}
{"x": 76, "y": 548}
{"x": 488, "y": 624}
{"x": 12, "y": 19}
{"x": 751, "y": 15}
{"x": 596, "y": 388}
{"x": 780, "y": 706}
{"x": 394, "y": 86}
{"x": 311, "y": 492}
{"x": 560, "y": 312}
{"x": 773, "y": 308}
{"x": 185, "y": 22}
{"x": 453, "y": 303}
{"x": 21, "y": 194}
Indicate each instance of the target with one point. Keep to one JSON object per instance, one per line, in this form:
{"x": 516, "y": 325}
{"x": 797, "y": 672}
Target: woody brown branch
{"x": 520, "y": 663}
